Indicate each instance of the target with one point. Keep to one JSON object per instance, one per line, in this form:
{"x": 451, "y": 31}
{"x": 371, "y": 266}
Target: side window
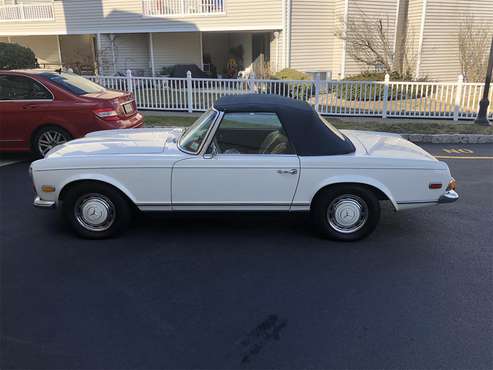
{"x": 251, "y": 133}
{"x": 22, "y": 88}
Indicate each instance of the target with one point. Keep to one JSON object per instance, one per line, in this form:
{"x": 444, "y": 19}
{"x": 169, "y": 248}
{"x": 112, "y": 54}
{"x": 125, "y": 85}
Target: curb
{"x": 449, "y": 138}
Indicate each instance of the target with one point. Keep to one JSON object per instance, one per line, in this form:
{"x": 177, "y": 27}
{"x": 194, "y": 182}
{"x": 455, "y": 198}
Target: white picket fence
{"x": 444, "y": 100}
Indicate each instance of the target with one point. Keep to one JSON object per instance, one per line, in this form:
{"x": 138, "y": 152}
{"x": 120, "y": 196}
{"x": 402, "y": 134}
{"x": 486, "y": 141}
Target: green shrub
{"x": 15, "y": 56}
{"x": 296, "y": 90}
{"x": 352, "y": 91}
{"x": 291, "y": 74}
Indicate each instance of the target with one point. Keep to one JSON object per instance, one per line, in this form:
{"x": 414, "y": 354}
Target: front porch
{"x": 218, "y": 54}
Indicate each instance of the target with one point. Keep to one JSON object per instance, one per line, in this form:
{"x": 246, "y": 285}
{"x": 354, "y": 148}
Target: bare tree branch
{"x": 474, "y": 39}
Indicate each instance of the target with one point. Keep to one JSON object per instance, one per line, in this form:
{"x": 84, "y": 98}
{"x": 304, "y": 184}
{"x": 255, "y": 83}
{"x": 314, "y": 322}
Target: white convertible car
{"x": 247, "y": 153}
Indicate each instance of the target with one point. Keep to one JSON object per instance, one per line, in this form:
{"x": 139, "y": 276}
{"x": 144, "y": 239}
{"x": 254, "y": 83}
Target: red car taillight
{"x": 107, "y": 114}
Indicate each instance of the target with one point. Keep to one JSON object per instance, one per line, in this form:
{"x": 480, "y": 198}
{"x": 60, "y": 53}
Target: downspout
{"x": 288, "y": 41}
{"x": 284, "y": 32}
{"x": 343, "y": 57}
{"x": 421, "y": 33}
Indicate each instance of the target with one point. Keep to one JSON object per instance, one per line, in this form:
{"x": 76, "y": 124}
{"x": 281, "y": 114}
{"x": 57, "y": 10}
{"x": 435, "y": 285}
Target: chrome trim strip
{"x": 418, "y": 202}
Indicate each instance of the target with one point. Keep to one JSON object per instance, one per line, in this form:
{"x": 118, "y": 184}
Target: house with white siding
{"x": 112, "y": 36}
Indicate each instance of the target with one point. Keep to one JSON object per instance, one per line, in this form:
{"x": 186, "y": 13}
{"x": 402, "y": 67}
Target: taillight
{"x": 107, "y": 114}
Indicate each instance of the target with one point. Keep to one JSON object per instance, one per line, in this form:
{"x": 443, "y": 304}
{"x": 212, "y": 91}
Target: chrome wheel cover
{"x": 50, "y": 139}
{"x": 95, "y": 212}
{"x": 347, "y": 213}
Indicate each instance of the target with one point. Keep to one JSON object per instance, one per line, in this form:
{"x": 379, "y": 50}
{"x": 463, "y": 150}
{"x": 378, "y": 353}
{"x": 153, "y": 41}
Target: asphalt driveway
{"x": 252, "y": 290}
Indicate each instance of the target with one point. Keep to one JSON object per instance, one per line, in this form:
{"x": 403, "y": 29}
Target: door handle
{"x": 292, "y": 171}
{"x": 29, "y": 106}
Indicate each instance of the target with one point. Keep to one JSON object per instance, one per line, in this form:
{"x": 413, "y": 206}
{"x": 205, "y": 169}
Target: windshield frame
{"x": 217, "y": 114}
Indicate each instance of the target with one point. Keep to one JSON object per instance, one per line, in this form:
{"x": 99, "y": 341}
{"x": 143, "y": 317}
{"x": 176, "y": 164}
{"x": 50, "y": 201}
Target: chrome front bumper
{"x": 40, "y": 203}
{"x": 450, "y": 196}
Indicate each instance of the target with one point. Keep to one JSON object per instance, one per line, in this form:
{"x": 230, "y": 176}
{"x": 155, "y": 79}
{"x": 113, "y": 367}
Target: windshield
{"x": 332, "y": 128}
{"x": 75, "y": 84}
{"x": 192, "y": 139}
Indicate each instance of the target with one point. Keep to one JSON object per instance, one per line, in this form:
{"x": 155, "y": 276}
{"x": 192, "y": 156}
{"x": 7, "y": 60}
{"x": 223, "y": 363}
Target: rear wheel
{"x": 47, "y": 138}
{"x": 96, "y": 211}
{"x": 346, "y": 213}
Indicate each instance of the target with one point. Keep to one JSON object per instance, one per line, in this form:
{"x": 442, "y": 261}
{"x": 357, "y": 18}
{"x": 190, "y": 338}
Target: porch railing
{"x": 437, "y": 100}
{"x": 160, "y": 8}
{"x": 27, "y": 12}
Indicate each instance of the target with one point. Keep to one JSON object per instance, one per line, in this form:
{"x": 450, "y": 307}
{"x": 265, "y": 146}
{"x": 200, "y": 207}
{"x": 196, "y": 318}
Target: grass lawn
{"x": 421, "y": 126}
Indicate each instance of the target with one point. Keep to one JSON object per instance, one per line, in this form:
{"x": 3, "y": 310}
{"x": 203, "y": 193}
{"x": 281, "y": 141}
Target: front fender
{"x": 94, "y": 177}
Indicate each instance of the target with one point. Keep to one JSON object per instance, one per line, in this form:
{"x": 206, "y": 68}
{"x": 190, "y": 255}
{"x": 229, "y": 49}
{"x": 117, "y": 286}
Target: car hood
{"x": 387, "y": 145}
{"x": 127, "y": 141}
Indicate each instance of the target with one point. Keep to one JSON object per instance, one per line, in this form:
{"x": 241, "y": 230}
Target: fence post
{"x": 317, "y": 90}
{"x": 385, "y": 95}
{"x": 251, "y": 83}
{"x": 189, "y": 92}
{"x": 130, "y": 84}
{"x": 458, "y": 95}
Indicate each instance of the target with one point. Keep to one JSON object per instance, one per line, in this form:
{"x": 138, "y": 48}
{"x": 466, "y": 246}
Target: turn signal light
{"x": 107, "y": 114}
{"x": 452, "y": 184}
{"x": 48, "y": 189}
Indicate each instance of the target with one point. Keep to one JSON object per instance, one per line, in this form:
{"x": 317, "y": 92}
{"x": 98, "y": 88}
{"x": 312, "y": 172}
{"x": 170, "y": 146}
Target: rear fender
{"x": 364, "y": 180}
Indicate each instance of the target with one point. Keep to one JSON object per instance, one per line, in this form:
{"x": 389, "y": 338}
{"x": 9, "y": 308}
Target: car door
{"x": 22, "y": 100}
{"x": 250, "y": 164}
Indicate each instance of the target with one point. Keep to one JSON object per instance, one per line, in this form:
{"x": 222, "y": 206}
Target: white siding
{"x": 440, "y": 51}
{"x": 374, "y": 10}
{"x": 126, "y": 51}
{"x": 312, "y": 35}
{"x": 176, "y": 48}
{"x": 125, "y": 16}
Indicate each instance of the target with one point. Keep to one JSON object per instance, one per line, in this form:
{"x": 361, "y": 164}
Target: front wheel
{"x": 96, "y": 211}
{"x": 346, "y": 213}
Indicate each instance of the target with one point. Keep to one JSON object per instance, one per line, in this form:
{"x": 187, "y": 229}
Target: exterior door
{"x": 22, "y": 101}
{"x": 250, "y": 164}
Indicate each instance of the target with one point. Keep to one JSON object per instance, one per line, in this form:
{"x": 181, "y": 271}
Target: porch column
{"x": 59, "y": 51}
{"x": 151, "y": 54}
{"x": 98, "y": 54}
{"x": 201, "y": 52}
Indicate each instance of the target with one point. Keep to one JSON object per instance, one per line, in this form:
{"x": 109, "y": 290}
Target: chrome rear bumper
{"x": 450, "y": 196}
{"x": 40, "y": 203}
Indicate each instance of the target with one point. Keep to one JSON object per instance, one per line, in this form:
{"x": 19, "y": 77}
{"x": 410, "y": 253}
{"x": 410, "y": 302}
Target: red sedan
{"x": 40, "y": 109}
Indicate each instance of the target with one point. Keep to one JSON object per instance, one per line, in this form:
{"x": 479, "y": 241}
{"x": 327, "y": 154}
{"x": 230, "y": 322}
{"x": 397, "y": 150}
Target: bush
{"x": 301, "y": 91}
{"x": 291, "y": 74}
{"x": 352, "y": 91}
{"x": 15, "y": 56}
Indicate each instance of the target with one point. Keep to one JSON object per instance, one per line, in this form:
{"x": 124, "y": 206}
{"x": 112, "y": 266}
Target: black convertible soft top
{"x": 306, "y": 131}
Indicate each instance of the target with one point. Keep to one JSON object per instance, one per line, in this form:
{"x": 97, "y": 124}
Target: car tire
{"x": 47, "y": 138}
{"x": 96, "y": 211}
{"x": 346, "y": 212}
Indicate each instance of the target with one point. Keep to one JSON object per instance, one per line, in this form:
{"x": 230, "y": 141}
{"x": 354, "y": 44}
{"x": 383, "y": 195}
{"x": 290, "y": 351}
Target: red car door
{"x": 22, "y": 101}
